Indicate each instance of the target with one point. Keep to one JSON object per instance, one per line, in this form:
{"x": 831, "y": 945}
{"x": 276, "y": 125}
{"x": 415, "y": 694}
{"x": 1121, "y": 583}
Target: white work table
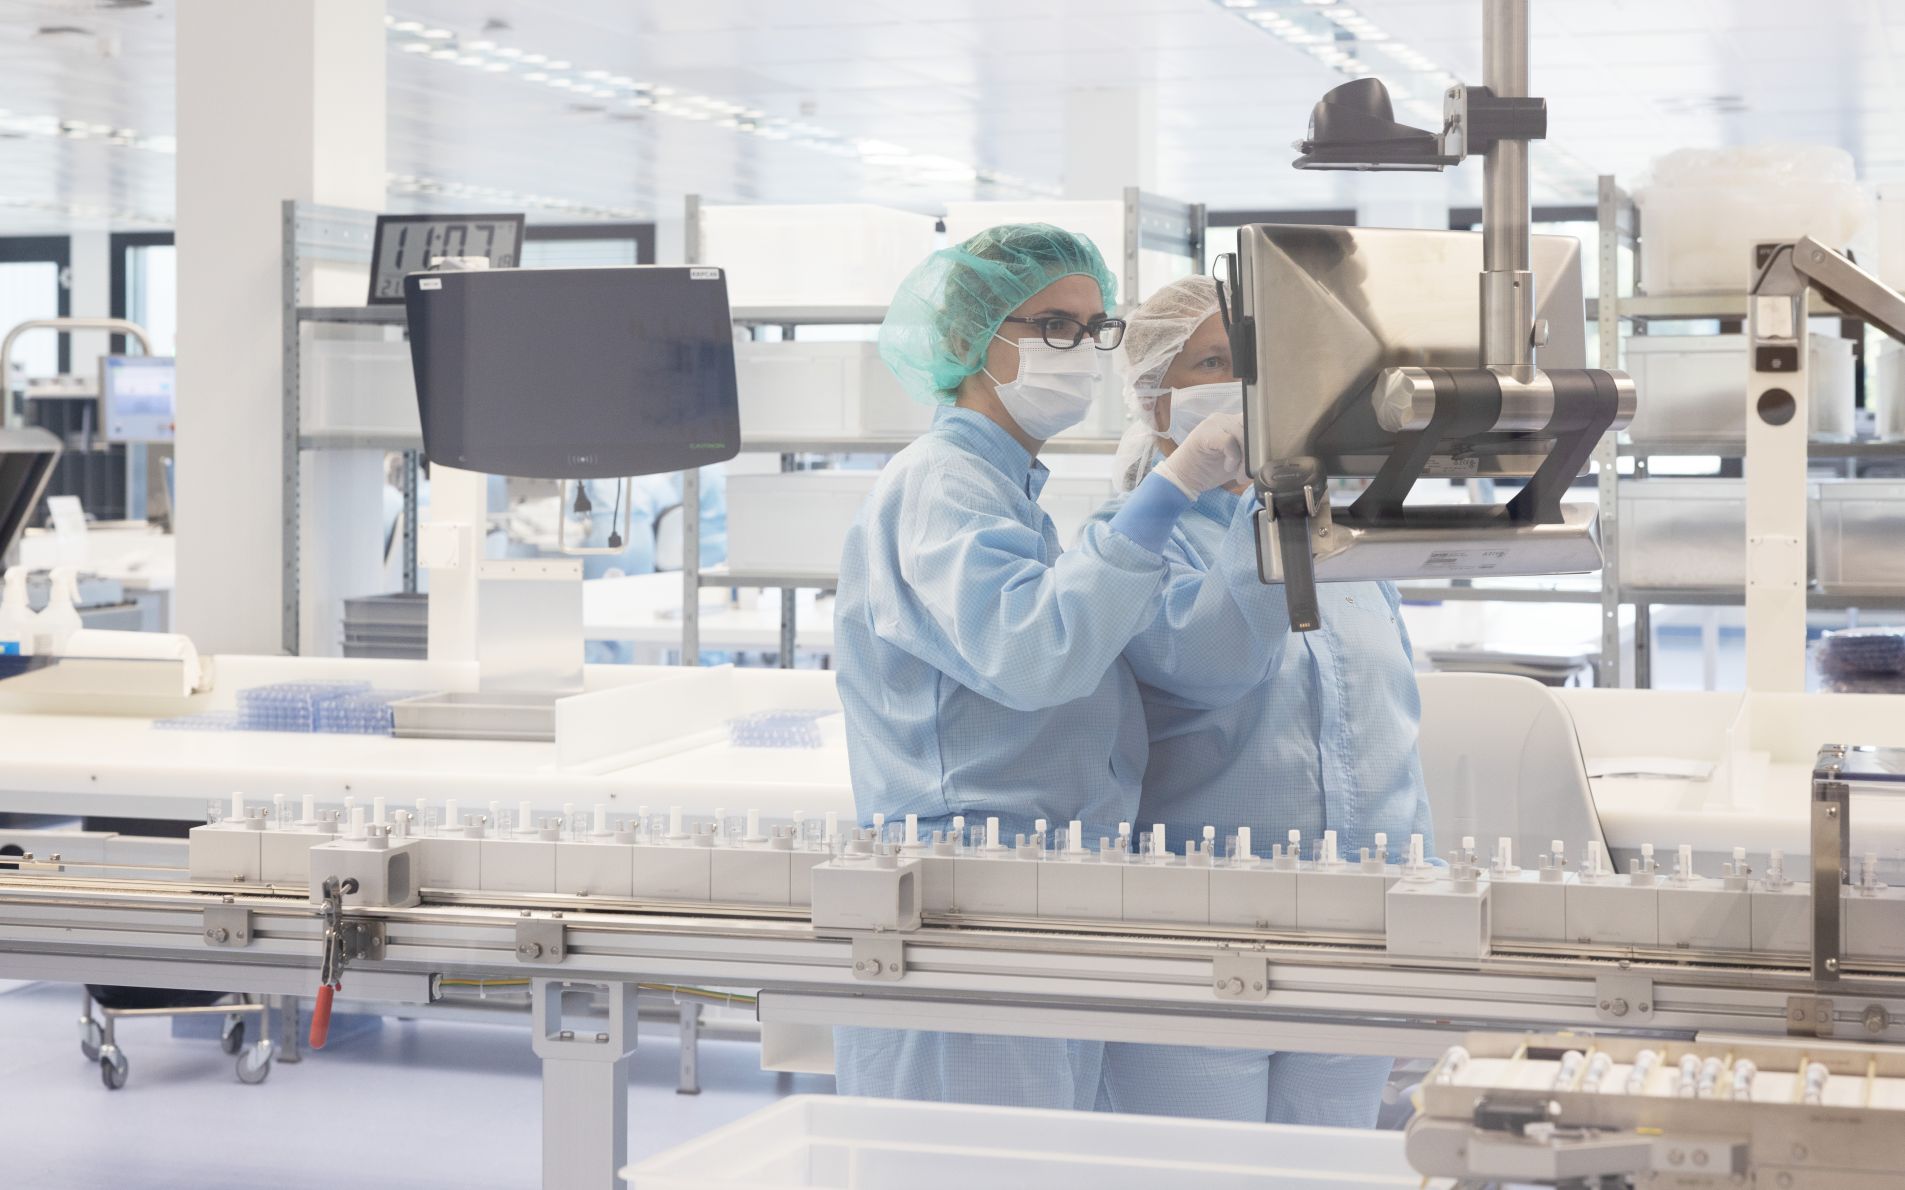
{"x": 109, "y": 766}
{"x": 1760, "y": 749}
{"x": 123, "y": 766}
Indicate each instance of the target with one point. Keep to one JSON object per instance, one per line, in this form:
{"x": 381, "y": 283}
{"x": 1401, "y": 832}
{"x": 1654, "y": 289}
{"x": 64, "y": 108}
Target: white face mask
{"x": 1192, "y": 405}
{"x": 1053, "y": 390}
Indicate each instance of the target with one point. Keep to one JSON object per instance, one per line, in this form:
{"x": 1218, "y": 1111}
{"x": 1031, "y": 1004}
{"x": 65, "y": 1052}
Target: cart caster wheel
{"x": 91, "y": 1038}
{"x": 254, "y": 1065}
{"x": 112, "y": 1067}
{"x": 232, "y": 1038}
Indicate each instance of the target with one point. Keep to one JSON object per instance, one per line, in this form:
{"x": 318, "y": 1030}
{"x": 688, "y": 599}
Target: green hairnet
{"x": 946, "y": 311}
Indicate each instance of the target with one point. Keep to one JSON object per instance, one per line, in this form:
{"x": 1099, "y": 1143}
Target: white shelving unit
{"x": 316, "y": 235}
{"x": 1151, "y": 223}
{"x": 1620, "y": 225}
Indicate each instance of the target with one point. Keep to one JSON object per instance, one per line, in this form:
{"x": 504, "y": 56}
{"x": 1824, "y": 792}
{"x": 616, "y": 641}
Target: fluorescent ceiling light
{"x": 909, "y": 166}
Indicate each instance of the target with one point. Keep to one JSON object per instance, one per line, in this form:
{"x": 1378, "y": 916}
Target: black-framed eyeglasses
{"x": 1065, "y": 333}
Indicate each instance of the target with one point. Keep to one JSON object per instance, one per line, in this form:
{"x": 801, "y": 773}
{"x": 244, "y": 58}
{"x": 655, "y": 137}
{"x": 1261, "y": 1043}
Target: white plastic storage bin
{"x": 839, "y": 1142}
{"x": 1858, "y": 535}
{"x": 1693, "y": 387}
{"x": 1887, "y": 393}
{"x": 1101, "y": 221}
{"x": 1683, "y": 533}
{"x": 356, "y": 380}
{"x": 793, "y": 389}
{"x": 846, "y": 254}
{"x": 1703, "y": 210}
{"x": 795, "y": 521}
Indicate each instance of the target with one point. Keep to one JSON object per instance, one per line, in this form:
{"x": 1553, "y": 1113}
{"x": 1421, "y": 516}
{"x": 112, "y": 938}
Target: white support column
{"x": 450, "y": 548}
{"x": 1777, "y": 417}
{"x": 276, "y": 101}
{"x": 1111, "y": 138}
{"x": 584, "y": 1083}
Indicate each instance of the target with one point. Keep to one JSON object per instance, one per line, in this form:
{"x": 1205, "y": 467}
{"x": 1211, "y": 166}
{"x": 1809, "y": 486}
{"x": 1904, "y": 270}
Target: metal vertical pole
{"x": 412, "y": 465}
{"x": 1607, "y": 454}
{"x": 691, "y": 489}
{"x": 790, "y": 596}
{"x": 1643, "y": 645}
{"x": 1831, "y": 858}
{"x": 688, "y": 1080}
{"x": 1128, "y": 284}
{"x": 292, "y": 458}
{"x": 1508, "y": 292}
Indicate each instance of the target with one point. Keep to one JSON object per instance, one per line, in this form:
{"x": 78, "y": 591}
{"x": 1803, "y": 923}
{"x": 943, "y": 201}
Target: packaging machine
{"x": 1040, "y": 933}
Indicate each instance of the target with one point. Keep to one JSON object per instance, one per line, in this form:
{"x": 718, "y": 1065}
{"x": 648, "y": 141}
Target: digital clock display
{"x": 407, "y": 244}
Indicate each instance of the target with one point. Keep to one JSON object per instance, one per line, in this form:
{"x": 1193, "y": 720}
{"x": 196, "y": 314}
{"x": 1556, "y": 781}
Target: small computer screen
{"x": 574, "y": 373}
{"x": 136, "y": 398}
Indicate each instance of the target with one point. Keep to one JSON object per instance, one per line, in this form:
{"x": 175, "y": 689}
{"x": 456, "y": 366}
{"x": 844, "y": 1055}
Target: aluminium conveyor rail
{"x": 1105, "y": 981}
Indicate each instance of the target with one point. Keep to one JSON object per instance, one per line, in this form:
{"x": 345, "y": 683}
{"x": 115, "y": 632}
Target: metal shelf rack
{"x": 316, "y": 235}
{"x": 1152, "y": 223}
{"x": 1618, "y": 223}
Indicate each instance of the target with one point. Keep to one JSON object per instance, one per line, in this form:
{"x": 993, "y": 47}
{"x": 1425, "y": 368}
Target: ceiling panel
{"x": 982, "y": 83}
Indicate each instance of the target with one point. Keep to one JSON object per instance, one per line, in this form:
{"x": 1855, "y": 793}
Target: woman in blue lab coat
{"x": 979, "y": 666}
{"x": 1323, "y": 739}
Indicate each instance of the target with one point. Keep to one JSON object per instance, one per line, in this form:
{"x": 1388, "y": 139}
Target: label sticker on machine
{"x": 1468, "y": 561}
{"x": 704, "y": 274}
{"x": 430, "y": 283}
{"x": 1442, "y": 466}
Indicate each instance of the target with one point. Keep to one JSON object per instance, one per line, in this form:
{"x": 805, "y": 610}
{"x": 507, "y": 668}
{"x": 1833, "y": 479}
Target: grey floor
{"x": 393, "y": 1105}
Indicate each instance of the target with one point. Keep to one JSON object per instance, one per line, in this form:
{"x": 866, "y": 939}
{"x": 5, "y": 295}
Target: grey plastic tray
{"x": 485, "y": 715}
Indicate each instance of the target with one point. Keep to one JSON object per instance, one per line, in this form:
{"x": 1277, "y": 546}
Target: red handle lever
{"x": 321, "y": 1016}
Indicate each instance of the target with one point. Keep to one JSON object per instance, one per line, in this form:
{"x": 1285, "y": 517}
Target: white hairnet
{"x": 1154, "y": 334}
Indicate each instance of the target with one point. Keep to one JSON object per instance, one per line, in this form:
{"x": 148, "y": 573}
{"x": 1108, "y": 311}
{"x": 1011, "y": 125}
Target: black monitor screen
{"x": 574, "y": 373}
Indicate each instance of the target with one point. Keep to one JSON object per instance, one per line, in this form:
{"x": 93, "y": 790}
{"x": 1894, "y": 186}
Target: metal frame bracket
{"x": 1625, "y": 998}
{"x": 879, "y": 956}
{"x": 228, "y": 926}
{"x": 1809, "y": 1016}
{"x": 541, "y": 940}
{"x": 1240, "y": 975}
{"x": 364, "y": 939}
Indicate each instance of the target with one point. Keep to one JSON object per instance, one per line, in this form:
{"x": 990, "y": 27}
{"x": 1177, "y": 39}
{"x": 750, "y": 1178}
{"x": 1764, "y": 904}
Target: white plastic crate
{"x": 1857, "y": 526}
{"x": 1099, "y": 220}
{"x": 357, "y": 380}
{"x": 838, "y": 1142}
{"x": 1693, "y": 387}
{"x": 821, "y": 389}
{"x": 1703, "y": 210}
{"x": 1683, "y": 533}
{"x": 1887, "y": 394}
{"x": 846, "y": 254}
{"x": 795, "y": 521}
